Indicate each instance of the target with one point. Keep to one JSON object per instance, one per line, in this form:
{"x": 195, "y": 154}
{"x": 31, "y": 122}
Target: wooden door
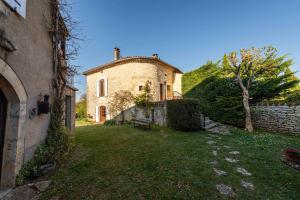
{"x": 161, "y": 91}
{"x": 102, "y": 114}
{"x": 3, "y": 108}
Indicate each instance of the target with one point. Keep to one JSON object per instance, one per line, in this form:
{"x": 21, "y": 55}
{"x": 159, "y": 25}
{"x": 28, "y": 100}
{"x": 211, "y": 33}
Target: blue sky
{"x": 185, "y": 33}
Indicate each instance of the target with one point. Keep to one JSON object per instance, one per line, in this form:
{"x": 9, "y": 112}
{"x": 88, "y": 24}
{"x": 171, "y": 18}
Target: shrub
{"x": 110, "y": 122}
{"x": 220, "y": 100}
{"x": 184, "y": 114}
{"x": 58, "y": 144}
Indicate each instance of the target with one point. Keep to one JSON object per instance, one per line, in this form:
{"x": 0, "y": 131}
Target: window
{"x": 161, "y": 91}
{"x": 102, "y": 88}
{"x": 169, "y": 92}
{"x": 141, "y": 88}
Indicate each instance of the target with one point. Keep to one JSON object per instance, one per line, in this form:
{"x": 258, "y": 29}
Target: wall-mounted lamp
{"x": 43, "y": 104}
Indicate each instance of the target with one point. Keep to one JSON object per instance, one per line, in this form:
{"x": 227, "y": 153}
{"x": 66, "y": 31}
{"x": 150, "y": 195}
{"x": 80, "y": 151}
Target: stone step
{"x": 207, "y": 122}
{"x": 210, "y": 126}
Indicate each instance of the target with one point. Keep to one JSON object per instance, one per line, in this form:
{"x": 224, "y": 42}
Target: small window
{"x": 169, "y": 92}
{"x": 102, "y": 88}
{"x": 169, "y": 87}
{"x": 141, "y": 88}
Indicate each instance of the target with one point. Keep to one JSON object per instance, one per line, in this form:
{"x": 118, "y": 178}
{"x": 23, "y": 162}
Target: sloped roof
{"x": 141, "y": 59}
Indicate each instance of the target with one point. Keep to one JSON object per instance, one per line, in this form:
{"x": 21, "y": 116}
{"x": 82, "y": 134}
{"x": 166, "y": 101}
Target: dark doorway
{"x": 3, "y": 109}
{"x": 68, "y": 112}
{"x": 161, "y": 92}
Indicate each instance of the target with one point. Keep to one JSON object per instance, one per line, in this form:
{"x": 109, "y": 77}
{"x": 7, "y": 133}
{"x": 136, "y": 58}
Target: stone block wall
{"x": 285, "y": 119}
{"x": 157, "y": 114}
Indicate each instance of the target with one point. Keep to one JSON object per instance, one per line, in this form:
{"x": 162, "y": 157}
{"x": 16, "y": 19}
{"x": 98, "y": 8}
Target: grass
{"x": 120, "y": 162}
{"x": 84, "y": 122}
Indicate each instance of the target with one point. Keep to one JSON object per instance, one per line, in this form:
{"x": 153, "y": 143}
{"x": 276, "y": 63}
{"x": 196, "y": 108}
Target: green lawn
{"x": 127, "y": 163}
{"x": 84, "y": 122}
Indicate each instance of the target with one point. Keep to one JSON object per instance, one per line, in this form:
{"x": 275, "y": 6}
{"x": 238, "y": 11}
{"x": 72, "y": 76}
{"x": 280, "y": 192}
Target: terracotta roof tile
{"x": 129, "y": 59}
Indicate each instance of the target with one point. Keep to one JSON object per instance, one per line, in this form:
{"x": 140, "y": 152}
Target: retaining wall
{"x": 282, "y": 118}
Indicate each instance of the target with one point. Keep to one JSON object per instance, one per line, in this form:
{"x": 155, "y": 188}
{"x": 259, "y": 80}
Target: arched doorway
{"x": 14, "y": 100}
{"x": 3, "y": 108}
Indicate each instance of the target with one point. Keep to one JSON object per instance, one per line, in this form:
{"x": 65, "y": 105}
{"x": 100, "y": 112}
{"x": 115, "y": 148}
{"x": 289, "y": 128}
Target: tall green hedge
{"x": 220, "y": 100}
{"x": 184, "y": 114}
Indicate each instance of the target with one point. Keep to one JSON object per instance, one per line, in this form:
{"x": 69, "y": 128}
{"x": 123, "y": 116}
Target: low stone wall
{"x": 285, "y": 119}
{"x": 157, "y": 114}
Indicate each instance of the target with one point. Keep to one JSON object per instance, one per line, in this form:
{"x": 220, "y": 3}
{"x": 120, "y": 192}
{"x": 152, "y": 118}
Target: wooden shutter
{"x": 97, "y": 114}
{"x": 102, "y": 88}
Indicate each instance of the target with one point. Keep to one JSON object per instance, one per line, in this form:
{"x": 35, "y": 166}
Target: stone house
{"x": 26, "y": 91}
{"x": 129, "y": 73}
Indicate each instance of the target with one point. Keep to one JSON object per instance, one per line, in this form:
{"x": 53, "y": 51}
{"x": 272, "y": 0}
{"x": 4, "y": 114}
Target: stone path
{"x": 215, "y": 153}
{"x": 243, "y": 171}
{"x": 231, "y": 160}
{"x": 247, "y": 185}
{"x": 211, "y": 142}
{"x": 227, "y": 190}
{"x": 220, "y": 172}
{"x": 30, "y": 191}
{"x": 234, "y": 152}
{"x": 216, "y": 127}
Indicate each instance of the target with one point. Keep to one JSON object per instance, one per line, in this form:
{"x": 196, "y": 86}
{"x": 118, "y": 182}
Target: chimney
{"x": 116, "y": 53}
{"x": 155, "y": 55}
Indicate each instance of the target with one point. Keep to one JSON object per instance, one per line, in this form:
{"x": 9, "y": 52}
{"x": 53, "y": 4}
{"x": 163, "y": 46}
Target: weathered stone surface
{"x": 214, "y": 162}
{"x": 215, "y": 153}
{"x": 4, "y": 192}
{"x": 41, "y": 186}
{"x": 243, "y": 171}
{"x": 277, "y": 118}
{"x": 231, "y": 160}
{"x": 234, "y": 152}
{"x": 22, "y": 193}
{"x": 225, "y": 190}
{"x": 28, "y": 192}
{"x": 247, "y": 185}
{"x": 210, "y": 142}
{"x": 219, "y": 172}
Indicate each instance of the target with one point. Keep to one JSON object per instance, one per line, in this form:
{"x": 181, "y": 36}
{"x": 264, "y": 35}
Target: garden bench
{"x": 145, "y": 124}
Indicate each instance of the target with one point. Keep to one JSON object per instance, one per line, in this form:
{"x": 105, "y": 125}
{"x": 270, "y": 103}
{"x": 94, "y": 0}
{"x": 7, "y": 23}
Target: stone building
{"x": 129, "y": 73}
{"x": 26, "y": 73}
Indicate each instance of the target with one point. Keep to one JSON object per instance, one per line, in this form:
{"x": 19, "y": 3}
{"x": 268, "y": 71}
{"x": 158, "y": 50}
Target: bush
{"x": 184, "y": 114}
{"x": 58, "y": 144}
{"x": 220, "y": 99}
{"x": 110, "y": 122}
{"x": 80, "y": 108}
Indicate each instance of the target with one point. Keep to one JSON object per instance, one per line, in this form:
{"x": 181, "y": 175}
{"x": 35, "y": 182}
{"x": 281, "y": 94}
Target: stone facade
{"x": 285, "y": 119}
{"x": 26, "y": 73}
{"x": 130, "y": 73}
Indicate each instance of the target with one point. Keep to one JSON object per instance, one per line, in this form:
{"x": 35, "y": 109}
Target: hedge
{"x": 184, "y": 115}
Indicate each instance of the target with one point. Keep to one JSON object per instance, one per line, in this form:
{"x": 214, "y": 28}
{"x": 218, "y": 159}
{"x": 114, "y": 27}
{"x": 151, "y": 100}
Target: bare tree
{"x": 253, "y": 65}
{"x": 65, "y": 46}
{"x": 121, "y": 101}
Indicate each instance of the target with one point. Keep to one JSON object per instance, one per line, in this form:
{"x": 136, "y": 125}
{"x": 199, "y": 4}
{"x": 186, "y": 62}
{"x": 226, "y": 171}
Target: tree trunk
{"x": 123, "y": 117}
{"x": 248, "y": 121}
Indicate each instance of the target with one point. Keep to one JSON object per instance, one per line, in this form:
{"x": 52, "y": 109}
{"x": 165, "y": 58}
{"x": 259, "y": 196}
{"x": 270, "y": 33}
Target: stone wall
{"x": 26, "y": 71}
{"x": 156, "y": 115}
{"x": 285, "y": 119}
